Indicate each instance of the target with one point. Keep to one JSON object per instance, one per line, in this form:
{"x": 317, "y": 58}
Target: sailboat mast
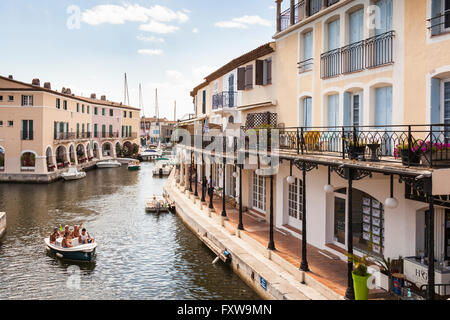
{"x": 126, "y": 98}
{"x": 157, "y": 115}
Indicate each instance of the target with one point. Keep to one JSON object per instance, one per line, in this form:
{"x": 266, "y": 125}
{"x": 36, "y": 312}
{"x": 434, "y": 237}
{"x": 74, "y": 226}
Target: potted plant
{"x": 360, "y": 275}
{"x": 355, "y": 148}
{"x": 436, "y": 153}
{"x": 409, "y": 155}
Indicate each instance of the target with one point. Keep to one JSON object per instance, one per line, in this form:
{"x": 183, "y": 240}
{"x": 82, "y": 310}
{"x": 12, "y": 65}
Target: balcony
{"x": 109, "y": 135}
{"x": 60, "y": 136}
{"x": 305, "y": 65}
{"x": 225, "y": 99}
{"x": 83, "y": 135}
{"x": 373, "y": 52}
{"x": 440, "y": 23}
{"x": 302, "y": 10}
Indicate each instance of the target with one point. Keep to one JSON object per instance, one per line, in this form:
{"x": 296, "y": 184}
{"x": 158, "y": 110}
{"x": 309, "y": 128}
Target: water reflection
{"x": 140, "y": 256}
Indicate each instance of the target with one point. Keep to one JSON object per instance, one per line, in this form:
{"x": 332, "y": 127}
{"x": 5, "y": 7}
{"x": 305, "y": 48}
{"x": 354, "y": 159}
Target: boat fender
{"x": 215, "y": 260}
{"x": 59, "y": 255}
{"x": 227, "y": 256}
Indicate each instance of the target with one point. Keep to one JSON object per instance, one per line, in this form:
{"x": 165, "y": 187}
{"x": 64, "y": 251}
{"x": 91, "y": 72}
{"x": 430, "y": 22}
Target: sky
{"x": 89, "y": 45}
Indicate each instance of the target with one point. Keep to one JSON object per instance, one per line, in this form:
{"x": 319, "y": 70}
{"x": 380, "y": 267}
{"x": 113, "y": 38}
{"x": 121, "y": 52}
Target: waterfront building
{"x": 44, "y": 131}
{"x": 356, "y": 93}
{"x": 154, "y": 130}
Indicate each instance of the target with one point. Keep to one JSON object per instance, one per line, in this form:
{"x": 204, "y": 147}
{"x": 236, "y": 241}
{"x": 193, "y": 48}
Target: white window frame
{"x": 352, "y": 110}
{"x": 27, "y": 101}
{"x": 295, "y": 200}
{"x": 258, "y": 193}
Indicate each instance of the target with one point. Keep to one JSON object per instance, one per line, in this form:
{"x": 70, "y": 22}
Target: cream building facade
{"x": 43, "y": 131}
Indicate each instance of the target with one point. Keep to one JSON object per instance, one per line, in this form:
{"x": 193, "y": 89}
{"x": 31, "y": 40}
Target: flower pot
{"x": 354, "y": 152}
{"x": 409, "y": 157}
{"x": 439, "y": 157}
{"x": 360, "y": 286}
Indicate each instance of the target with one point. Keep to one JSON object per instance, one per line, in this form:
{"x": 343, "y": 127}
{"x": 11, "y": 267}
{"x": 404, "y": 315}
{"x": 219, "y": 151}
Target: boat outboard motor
{"x": 227, "y": 256}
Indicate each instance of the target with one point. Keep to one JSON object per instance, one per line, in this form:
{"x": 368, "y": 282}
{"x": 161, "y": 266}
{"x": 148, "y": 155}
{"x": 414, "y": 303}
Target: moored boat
{"x": 79, "y": 252}
{"x": 73, "y": 174}
{"x": 134, "y": 165}
{"x": 109, "y": 164}
{"x": 162, "y": 168}
{"x": 157, "y": 204}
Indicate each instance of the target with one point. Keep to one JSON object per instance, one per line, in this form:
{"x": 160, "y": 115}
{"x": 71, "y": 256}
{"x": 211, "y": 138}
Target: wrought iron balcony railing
{"x": 305, "y": 65}
{"x": 440, "y": 23}
{"x": 225, "y": 99}
{"x": 370, "y": 53}
{"x": 411, "y": 145}
{"x": 84, "y": 135}
{"x": 64, "y": 136}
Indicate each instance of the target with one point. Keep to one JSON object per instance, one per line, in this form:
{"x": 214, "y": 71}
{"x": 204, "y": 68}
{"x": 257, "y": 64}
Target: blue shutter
{"x": 435, "y": 101}
{"x": 435, "y": 12}
{"x": 356, "y": 26}
{"x": 383, "y": 107}
{"x": 361, "y": 108}
{"x": 385, "y": 19}
{"x": 307, "y": 112}
{"x": 333, "y": 35}
{"x": 333, "y": 110}
{"x": 307, "y": 49}
{"x": 347, "y": 110}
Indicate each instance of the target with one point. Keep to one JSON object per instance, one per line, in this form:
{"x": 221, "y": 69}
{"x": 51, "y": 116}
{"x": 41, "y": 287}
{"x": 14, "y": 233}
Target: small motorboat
{"x": 157, "y": 204}
{"x": 151, "y": 154}
{"x": 79, "y": 252}
{"x": 109, "y": 164}
{"x": 162, "y": 168}
{"x": 134, "y": 165}
{"x": 73, "y": 174}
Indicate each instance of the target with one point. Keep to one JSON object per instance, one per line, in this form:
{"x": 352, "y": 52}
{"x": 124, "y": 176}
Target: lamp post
{"x": 211, "y": 188}
{"x": 241, "y": 224}
{"x": 304, "y": 264}
{"x": 271, "y": 245}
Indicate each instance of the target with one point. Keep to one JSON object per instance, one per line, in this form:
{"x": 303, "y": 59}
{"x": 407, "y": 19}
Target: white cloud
{"x": 153, "y": 19}
{"x": 151, "y": 52}
{"x": 195, "y": 30}
{"x": 243, "y": 22}
{"x": 158, "y": 27}
{"x": 150, "y": 39}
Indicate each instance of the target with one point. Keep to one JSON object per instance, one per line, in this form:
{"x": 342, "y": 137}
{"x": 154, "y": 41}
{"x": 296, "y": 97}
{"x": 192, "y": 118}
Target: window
{"x": 78, "y": 130}
{"x": 27, "y": 129}
{"x": 355, "y": 110}
{"x": 27, "y": 160}
{"x": 111, "y": 112}
{"x": 307, "y": 112}
{"x": 82, "y": 128}
{"x": 65, "y": 105}
{"x": 95, "y": 130}
{"x": 103, "y": 131}
{"x": 10, "y": 123}
{"x": 259, "y": 192}
{"x": 103, "y": 111}
{"x": 295, "y": 200}
{"x": 27, "y": 100}
{"x": 333, "y": 110}
{"x": 82, "y": 108}
{"x": 263, "y": 72}
{"x": 124, "y": 114}
{"x": 307, "y": 63}
{"x": 95, "y": 110}
{"x": 131, "y": 114}
{"x": 87, "y": 109}
{"x": 204, "y": 102}
{"x": 1, "y": 98}
{"x": 383, "y": 106}
{"x": 110, "y": 130}
{"x": 78, "y": 107}
{"x": 314, "y": 6}
{"x": 10, "y": 98}
{"x": 58, "y": 103}
{"x": 446, "y": 103}
{"x": 333, "y": 57}
{"x": 1, "y": 123}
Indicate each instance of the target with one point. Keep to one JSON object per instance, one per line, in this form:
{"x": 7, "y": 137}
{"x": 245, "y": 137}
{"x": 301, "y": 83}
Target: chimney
{"x": 93, "y": 96}
{"x": 47, "y": 85}
{"x": 103, "y": 98}
{"x": 10, "y": 77}
{"x": 63, "y": 90}
{"x": 68, "y": 91}
{"x": 36, "y": 82}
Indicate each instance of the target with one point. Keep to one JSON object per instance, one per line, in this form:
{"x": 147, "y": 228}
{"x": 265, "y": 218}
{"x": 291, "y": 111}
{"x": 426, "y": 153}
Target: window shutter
{"x": 347, "y": 110}
{"x": 435, "y": 100}
{"x": 24, "y": 129}
{"x": 361, "y": 108}
{"x": 241, "y": 79}
{"x": 248, "y": 77}
{"x": 435, "y": 12}
{"x": 55, "y": 129}
{"x": 259, "y": 77}
{"x": 30, "y": 129}
{"x": 269, "y": 71}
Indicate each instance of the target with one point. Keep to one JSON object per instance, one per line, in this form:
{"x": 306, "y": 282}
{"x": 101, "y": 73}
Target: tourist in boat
{"x": 76, "y": 231}
{"x": 67, "y": 241}
{"x": 85, "y": 237}
{"x": 54, "y": 236}
{"x": 66, "y": 230}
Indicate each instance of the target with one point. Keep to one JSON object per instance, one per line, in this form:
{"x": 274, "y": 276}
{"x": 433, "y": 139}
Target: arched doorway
{"x": 81, "y": 153}
{"x": 72, "y": 154}
{"x": 49, "y": 160}
{"x": 367, "y": 217}
{"x": 127, "y": 149}
{"x": 2, "y": 158}
{"x": 119, "y": 151}
{"x": 28, "y": 161}
{"x": 61, "y": 157}
{"x": 95, "y": 151}
{"x": 107, "y": 149}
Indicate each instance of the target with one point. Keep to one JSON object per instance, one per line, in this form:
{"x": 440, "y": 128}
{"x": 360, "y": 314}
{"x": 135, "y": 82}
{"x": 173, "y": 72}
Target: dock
{"x": 2, "y": 224}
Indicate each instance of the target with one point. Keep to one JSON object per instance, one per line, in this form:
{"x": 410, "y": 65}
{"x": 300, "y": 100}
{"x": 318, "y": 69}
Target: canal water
{"x": 139, "y": 255}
